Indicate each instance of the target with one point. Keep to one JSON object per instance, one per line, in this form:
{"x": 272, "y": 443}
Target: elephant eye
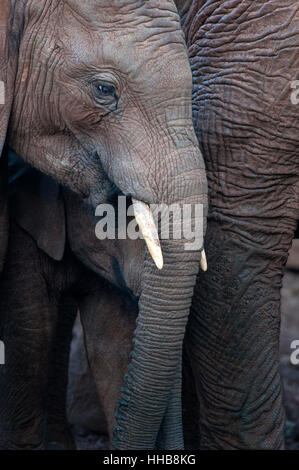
{"x": 105, "y": 94}
{"x": 105, "y": 90}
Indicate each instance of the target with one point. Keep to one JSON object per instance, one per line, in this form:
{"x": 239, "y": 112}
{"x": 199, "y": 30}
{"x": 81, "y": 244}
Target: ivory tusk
{"x": 203, "y": 261}
{"x": 149, "y": 231}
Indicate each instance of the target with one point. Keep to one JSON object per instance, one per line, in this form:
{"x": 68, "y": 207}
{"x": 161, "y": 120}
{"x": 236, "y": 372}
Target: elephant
{"x": 106, "y": 110}
{"x": 244, "y": 57}
{"x": 100, "y": 277}
{"x": 244, "y": 61}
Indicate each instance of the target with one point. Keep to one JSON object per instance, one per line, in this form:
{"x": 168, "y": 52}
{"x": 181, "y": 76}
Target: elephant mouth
{"x": 147, "y": 226}
{"x": 146, "y": 223}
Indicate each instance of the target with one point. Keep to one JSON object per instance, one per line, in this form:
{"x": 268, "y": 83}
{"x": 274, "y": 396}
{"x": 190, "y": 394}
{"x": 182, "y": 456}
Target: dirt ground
{"x": 289, "y": 372}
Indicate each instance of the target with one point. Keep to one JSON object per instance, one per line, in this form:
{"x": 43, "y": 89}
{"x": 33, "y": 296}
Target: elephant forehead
{"x": 112, "y": 9}
{"x": 146, "y": 42}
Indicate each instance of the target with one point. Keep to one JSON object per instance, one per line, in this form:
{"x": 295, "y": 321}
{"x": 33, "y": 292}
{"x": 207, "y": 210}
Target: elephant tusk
{"x": 149, "y": 231}
{"x": 203, "y": 261}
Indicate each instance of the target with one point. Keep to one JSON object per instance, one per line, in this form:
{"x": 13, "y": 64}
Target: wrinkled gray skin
{"x": 139, "y": 137}
{"x": 56, "y": 289}
{"x": 108, "y": 310}
{"x": 244, "y": 56}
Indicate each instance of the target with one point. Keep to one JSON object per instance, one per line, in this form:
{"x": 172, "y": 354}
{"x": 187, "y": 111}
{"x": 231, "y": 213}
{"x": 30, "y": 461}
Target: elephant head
{"x": 98, "y": 96}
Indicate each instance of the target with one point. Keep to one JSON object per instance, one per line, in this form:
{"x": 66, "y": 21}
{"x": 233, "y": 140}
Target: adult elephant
{"x": 244, "y": 57}
{"x": 98, "y": 96}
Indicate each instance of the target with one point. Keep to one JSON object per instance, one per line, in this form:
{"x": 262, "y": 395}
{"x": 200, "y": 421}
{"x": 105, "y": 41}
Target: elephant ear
{"x": 38, "y": 206}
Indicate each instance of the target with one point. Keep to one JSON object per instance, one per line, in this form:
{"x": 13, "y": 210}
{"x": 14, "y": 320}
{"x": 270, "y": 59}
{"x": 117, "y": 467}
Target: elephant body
{"x": 101, "y": 278}
{"x": 244, "y": 57}
{"x": 40, "y": 297}
{"x": 98, "y": 97}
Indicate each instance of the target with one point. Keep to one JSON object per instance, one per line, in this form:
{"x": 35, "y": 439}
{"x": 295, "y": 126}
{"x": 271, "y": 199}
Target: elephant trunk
{"x": 164, "y": 306}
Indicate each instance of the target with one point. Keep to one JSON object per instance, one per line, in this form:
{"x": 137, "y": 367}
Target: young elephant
{"x": 34, "y": 290}
{"x": 35, "y": 294}
{"x": 98, "y": 96}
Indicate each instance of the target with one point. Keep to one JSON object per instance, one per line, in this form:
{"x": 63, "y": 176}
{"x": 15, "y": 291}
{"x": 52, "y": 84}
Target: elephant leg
{"x": 108, "y": 320}
{"x": 58, "y": 435}
{"x": 233, "y": 339}
{"x": 28, "y": 316}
